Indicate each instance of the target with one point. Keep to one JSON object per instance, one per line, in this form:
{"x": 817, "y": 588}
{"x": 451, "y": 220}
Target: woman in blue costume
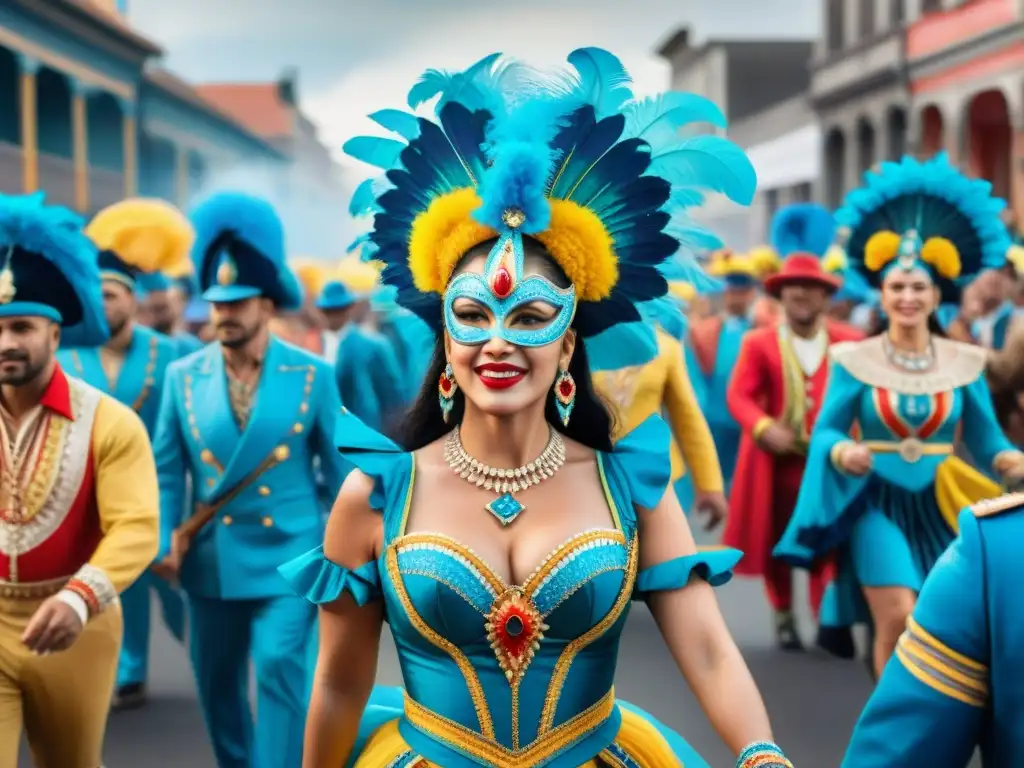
{"x": 526, "y": 222}
{"x": 918, "y": 232}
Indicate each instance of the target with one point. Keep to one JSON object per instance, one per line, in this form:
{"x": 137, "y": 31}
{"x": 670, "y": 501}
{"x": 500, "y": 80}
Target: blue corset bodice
{"x": 453, "y": 619}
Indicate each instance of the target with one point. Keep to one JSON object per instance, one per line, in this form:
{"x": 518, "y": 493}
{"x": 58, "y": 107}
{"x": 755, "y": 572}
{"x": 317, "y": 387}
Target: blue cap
{"x": 239, "y": 251}
{"x": 152, "y": 282}
{"x": 49, "y": 268}
{"x": 336, "y": 295}
{"x": 187, "y": 284}
{"x": 739, "y": 280}
{"x": 113, "y": 268}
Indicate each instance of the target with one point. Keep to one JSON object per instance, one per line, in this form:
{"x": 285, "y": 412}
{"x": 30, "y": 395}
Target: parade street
{"x": 813, "y": 701}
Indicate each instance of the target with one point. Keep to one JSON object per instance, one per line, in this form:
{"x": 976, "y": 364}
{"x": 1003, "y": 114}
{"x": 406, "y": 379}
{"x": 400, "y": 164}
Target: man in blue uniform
{"x": 367, "y": 372}
{"x": 245, "y": 418}
{"x": 164, "y": 300}
{"x": 954, "y": 683}
{"x": 130, "y": 367}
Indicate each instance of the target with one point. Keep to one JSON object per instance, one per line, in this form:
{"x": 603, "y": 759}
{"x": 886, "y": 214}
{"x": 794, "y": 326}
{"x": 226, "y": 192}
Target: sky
{"x": 357, "y": 56}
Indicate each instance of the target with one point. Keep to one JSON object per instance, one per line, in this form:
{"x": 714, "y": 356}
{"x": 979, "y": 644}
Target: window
{"x": 931, "y": 6}
{"x": 896, "y": 16}
{"x": 802, "y": 193}
{"x": 866, "y": 19}
{"x": 836, "y": 27}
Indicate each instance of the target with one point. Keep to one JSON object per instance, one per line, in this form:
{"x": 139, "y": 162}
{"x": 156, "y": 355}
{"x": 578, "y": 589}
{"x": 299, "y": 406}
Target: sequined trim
{"x": 616, "y": 757}
{"x": 150, "y": 374}
{"x": 488, "y": 752}
{"x": 407, "y": 759}
{"x": 941, "y": 668}
{"x": 71, "y": 462}
{"x": 449, "y": 567}
{"x": 577, "y": 568}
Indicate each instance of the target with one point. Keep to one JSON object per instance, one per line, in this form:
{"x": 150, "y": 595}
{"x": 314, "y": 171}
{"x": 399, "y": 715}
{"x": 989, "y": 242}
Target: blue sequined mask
{"x": 502, "y": 289}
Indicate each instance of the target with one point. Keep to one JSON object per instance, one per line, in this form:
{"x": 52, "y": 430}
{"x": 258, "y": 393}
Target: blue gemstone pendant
{"x": 505, "y": 508}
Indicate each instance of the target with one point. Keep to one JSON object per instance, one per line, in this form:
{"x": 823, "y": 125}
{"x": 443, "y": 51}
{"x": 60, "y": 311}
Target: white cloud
{"x": 341, "y": 110}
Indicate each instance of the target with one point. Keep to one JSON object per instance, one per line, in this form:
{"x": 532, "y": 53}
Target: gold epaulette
{"x": 998, "y": 505}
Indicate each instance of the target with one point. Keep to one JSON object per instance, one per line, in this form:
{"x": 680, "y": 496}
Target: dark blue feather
{"x": 606, "y": 179}
{"x": 465, "y": 131}
{"x": 581, "y": 145}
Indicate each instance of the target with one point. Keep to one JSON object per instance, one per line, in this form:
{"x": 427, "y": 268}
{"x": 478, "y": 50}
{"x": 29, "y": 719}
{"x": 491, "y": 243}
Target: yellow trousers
{"x": 61, "y": 700}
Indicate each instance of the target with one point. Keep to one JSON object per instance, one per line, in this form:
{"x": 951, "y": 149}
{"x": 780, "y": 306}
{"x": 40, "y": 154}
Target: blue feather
{"x": 604, "y": 82}
{"x": 252, "y": 220}
{"x": 356, "y": 244}
{"x": 686, "y": 197}
{"x": 622, "y": 346}
{"x": 375, "y": 151}
{"x": 658, "y": 119}
{"x": 580, "y": 146}
{"x": 803, "y": 228}
{"x": 364, "y": 199}
{"x": 395, "y": 120}
{"x": 710, "y": 161}
{"x": 455, "y": 86}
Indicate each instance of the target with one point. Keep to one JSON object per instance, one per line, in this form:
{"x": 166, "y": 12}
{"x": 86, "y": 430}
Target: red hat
{"x": 801, "y": 268}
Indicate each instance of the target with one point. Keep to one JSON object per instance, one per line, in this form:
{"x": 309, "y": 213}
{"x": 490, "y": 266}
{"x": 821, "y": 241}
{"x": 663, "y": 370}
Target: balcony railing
{"x": 10, "y": 169}
{"x": 105, "y": 187}
{"x": 57, "y": 179}
{"x": 847, "y": 71}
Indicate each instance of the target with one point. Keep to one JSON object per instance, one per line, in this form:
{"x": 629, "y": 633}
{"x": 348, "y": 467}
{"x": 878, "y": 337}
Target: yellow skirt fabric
{"x": 959, "y": 485}
{"x": 637, "y": 737}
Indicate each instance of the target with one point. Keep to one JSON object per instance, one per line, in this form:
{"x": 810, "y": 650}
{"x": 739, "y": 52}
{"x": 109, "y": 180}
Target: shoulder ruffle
{"x": 639, "y": 468}
{"x": 713, "y": 565}
{"x": 375, "y": 456}
{"x": 318, "y": 580}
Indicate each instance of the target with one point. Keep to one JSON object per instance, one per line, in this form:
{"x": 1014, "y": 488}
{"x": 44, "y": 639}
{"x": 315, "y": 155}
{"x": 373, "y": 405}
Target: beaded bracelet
{"x": 762, "y": 754}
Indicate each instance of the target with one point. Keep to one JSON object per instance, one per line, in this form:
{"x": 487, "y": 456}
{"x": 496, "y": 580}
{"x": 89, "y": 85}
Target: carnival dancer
{"x": 775, "y": 392}
{"x": 137, "y": 239}
{"x": 716, "y": 345}
{"x": 78, "y": 497}
{"x": 949, "y": 688}
{"x": 917, "y": 231}
{"x": 244, "y": 419}
{"x": 519, "y": 256}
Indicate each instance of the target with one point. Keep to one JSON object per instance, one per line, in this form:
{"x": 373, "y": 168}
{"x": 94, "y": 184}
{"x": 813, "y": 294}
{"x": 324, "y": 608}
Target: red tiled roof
{"x": 255, "y": 105}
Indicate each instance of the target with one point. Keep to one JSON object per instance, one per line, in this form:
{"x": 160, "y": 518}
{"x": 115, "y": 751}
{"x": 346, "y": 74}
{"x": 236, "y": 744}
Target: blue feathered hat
{"x": 604, "y": 180}
{"x": 923, "y": 215}
{"x": 239, "y": 251}
{"x": 335, "y": 295}
{"x": 803, "y": 228}
{"x": 49, "y": 269}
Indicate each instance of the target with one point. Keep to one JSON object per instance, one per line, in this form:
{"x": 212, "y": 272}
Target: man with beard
{"x": 78, "y": 496}
{"x": 774, "y": 394}
{"x": 245, "y": 418}
{"x": 137, "y": 238}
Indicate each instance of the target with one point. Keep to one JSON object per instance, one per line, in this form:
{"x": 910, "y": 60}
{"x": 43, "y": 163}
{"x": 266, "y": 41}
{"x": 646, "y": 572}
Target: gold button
{"x": 263, "y": 490}
{"x": 268, "y": 522}
{"x": 227, "y": 520}
{"x": 297, "y": 429}
{"x": 211, "y": 482}
{"x": 206, "y": 455}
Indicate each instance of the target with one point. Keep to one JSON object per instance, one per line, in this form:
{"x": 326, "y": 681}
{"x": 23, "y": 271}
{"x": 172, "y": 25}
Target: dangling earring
{"x": 446, "y": 389}
{"x": 565, "y": 395}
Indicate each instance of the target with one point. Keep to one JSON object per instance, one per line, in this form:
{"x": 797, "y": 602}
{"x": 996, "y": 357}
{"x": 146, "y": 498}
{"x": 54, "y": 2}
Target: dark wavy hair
{"x": 591, "y": 423}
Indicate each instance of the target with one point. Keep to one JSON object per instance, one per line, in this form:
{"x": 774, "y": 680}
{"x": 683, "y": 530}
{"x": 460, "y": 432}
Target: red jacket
{"x": 768, "y": 385}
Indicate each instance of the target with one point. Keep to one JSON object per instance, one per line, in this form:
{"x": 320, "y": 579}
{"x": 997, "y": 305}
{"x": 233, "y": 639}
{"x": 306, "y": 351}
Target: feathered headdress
{"x": 733, "y": 269}
{"x": 48, "y": 268}
{"x": 765, "y": 260}
{"x": 923, "y": 215}
{"x": 602, "y": 179}
{"x": 239, "y": 251}
{"x": 361, "y": 277}
{"x": 803, "y": 228}
{"x": 311, "y": 273}
{"x": 148, "y": 235}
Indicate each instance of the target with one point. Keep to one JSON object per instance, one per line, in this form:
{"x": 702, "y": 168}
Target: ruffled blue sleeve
{"x": 318, "y": 580}
{"x": 713, "y": 565}
{"x": 639, "y": 469}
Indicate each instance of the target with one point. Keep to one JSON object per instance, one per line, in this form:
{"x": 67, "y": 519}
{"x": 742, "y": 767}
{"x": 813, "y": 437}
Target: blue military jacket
{"x": 956, "y": 681}
{"x": 277, "y": 515}
{"x": 140, "y": 383}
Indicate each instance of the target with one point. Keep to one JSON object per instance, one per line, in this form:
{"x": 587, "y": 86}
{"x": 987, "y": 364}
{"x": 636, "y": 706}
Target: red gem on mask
{"x": 501, "y": 283}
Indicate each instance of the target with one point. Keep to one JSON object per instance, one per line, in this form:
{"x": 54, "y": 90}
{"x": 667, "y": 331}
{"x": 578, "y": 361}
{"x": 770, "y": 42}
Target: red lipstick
{"x": 499, "y": 375}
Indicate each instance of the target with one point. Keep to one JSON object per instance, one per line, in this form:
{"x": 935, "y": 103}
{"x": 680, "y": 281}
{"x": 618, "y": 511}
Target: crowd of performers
{"x": 492, "y": 433}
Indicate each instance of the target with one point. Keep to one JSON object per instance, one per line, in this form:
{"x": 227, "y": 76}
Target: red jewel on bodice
{"x": 501, "y": 283}
{"x": 515, "y": 629}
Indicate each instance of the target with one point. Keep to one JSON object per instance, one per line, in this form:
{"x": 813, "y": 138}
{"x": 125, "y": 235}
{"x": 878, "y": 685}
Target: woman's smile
{"x": 500, "y": 375}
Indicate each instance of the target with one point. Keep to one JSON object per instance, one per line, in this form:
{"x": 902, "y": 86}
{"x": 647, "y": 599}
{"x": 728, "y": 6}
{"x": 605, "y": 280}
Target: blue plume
{"x": 658, "y": 119}
{"x": 604, "y": 82}
{"x": 251, "y": 219}
{"x": 622, "y": 346}
{"x": 356, "y": 244}
{"x": 803, "y": 228}
{"x": 710, "y": 161}
{"x": 395, "y": 120}
{"x": 382, "y": 153}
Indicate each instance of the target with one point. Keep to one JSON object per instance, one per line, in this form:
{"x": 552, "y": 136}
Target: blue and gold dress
{"x": 892, "y": 524}
{"x": 463, "y": 703}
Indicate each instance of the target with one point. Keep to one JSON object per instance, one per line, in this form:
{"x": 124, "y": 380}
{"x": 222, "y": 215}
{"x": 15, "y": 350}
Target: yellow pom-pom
{"x": 578, "y": 241}
{"x": 942, "y": 256}
{"x": 881, "y": 249}
{"x": 835, "y": 260}
{"x": 682, "y": 290}
{"x": 442, "y": 235}
{"x": 150, "y": 235}
{"x": 311, "y": 273}
{"x": 358, "y": 276}
{"x": 764, "y": 260}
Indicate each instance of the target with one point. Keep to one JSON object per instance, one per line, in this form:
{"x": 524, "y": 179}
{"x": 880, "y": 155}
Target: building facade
{"x": 85, "y": 118}
{"x": 760, "y": 87}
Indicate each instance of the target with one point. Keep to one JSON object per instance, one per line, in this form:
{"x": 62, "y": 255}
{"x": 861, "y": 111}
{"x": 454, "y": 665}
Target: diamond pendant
{"x": 505, "y": 508}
